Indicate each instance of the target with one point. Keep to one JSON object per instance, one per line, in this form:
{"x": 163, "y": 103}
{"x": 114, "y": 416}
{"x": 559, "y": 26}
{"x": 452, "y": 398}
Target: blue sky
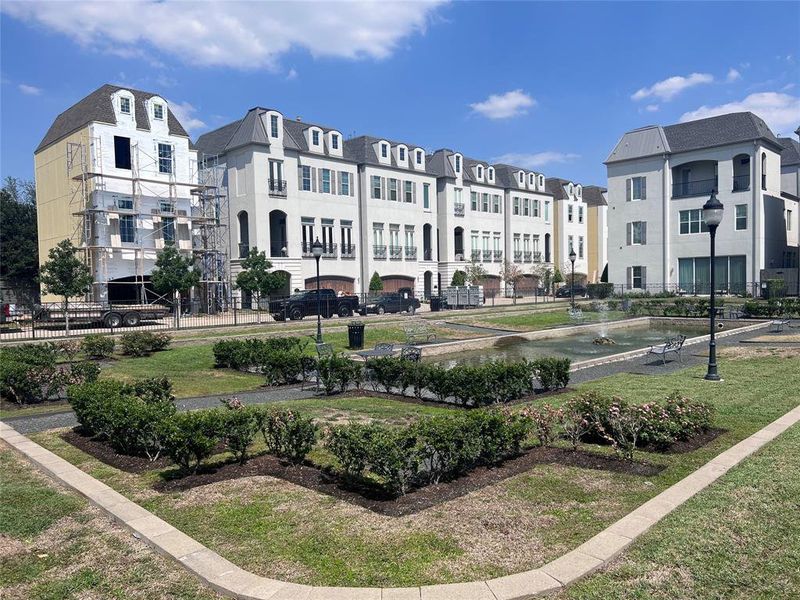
{"x": 548, "y": 86}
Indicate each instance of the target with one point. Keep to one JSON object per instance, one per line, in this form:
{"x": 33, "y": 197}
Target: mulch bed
{"x": 105, "y": 453}
{"x": 698, "y": 441}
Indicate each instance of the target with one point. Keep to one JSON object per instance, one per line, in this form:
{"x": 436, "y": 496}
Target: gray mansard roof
{"x": 716, "y": 131}
{"x": 97, "y": 107}
{"x": 361, "y": 150}
{"x": 593, "y": 195}
{"x": 791, "y": 152}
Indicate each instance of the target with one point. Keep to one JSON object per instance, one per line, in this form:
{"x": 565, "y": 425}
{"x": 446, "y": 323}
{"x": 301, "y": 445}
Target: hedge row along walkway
{"x": 230, "y": 580}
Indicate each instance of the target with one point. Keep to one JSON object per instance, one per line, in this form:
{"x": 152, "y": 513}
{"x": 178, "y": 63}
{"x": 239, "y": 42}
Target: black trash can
{"x": 355, "y": 335}
{"x": 436, "y": 304}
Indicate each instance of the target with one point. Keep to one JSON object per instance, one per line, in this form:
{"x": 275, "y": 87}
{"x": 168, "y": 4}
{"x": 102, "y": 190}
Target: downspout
{"x": 755, "y": 185}
{"x": 362, "y": 215}
{"x": 665, "y": 229}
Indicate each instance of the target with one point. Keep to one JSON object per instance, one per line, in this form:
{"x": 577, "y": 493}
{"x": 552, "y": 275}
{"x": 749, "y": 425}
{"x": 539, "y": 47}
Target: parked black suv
{"x": 297, "y": 306}
{"x": 564, "y": 292}
{"x": 390, "y": 303}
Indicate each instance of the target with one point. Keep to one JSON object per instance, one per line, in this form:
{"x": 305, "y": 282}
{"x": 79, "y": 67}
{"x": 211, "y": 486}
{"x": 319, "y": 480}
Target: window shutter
{"x": 629, "y": 272}
{"x": 319, "y": 180}
{"x": 383, "y": 188}
{"x": 299, "y": 177}
{"x": 628, "y": 190}
{"x": 644, "y": 232}
{"x": 314, "y": 187}
{"x": 644, "y": 278}
{"x": 628, "y": 233}
{"x": 414, "y": 192}
{"x": 352, "y": 181}
{"x": 644, "y": 188}
{"x": 333, "y": 182}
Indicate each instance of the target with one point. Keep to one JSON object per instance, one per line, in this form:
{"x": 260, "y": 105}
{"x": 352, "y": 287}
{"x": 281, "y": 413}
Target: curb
{"x": 232, "y": 581}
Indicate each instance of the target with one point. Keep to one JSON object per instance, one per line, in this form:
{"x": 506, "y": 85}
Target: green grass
{"x": 284, "y": 531}
{"x": 749, "y": 546}
{"x": 542, "y": 320}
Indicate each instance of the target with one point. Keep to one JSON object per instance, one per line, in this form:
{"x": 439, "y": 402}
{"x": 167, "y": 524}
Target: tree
{"x": 255, "y": 277}
{"x": 557, "y": 277}
{"x": 475, "y": 272}
{"x": 174, "y": 273}
{"x": 65, "y": 275}
{"x": 512, "y": 274}
{"x": 543, "y": 275}
{"x": 459, "y": 279}
{"x": 19, "y": 251}
{"x": 375, "y": 283}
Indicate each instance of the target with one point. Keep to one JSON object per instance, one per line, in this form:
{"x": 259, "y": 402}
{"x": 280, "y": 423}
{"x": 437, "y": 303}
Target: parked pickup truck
{"x": 110, "y": 315}
{"x": 390, "y": 303}
{"x": 297, "y": 306}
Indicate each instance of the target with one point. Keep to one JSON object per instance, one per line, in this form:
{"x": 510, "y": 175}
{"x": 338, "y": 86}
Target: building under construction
{"x": 117, "y": 174}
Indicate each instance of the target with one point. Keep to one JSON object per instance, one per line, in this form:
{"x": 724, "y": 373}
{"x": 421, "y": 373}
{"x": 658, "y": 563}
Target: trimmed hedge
{"x": 144, "y": 343}
{"x": 98, "y": 346}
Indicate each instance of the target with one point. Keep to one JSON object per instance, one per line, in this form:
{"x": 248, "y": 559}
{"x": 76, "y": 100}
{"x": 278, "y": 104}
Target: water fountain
{"x": 603, "y": 339}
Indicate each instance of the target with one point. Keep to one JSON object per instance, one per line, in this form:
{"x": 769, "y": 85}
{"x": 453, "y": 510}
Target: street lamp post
{"x": 572, "y": 258}
{"x": 712, "y": 215}
{"x": 316, "y": 250}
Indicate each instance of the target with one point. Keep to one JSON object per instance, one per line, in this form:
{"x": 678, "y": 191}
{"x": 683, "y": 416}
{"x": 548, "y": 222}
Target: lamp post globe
{"x": 572, "y": 257}
{"x": 316, "y": 251}
{"x": 712, "y": 216}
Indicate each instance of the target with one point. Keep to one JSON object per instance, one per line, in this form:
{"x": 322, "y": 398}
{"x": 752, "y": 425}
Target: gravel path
{"x": 693, "y": 355}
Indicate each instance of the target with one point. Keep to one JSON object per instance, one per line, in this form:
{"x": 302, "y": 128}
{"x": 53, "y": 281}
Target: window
{"x": 273, "y": 125}
{"x": 741, "y": 217}
{"x": 327, "y": 236}
{"x": 122, "y": 152}
{"x": 244, "y": 235}
{"x": 393, "y": 190}
{"x": 495, "y": 203}
{"x": 410, "y": 237}
{"x": 485, "y": 202}
{"x": 521, "y": 177}
{"x": 419, "y": 157}
{"x": 124, "y": 203}
{"x": 569, "y": 213}
{"x": 473, "y": 200}
{"x": 315, "y": 138}
{"x": 125, "y": 105}
{"x": 165, "y": 206}
{"x": 541, "y": 181}
{"x": 308, "y": 233}
{"x": 570, "y": 189}
{"x": 491, "y": 174}
{"x": 579, "y": 191}
{"x": 335, "y": 141}
{"x": 546, "y": 211}
{"x": 457, "y": 195}
{"x": 426, "y": 191}
{"x": 691, "y": 221}
{"x": 636, "y": 233}
{"x": 788, "y": 220}
{"x": 377, "y": 234}
{"x": 408, "y": 191}
{"x": 376, "y": 186}
{"x": 480, "y": 171}
{"x": 763, "y": 170}
{"x": 344, "y": 183}
{"x": 526, "y": 207}
{"x": 516, "y": 245}
{"x": 536, "y": 206}
{"x": 580, "y": 246}
{"x": 127, "y": 229}
{"x": 636, "y": 189}
{"x": 384, "y": 150}
{"x": 168, "y": 229}
{"x": 401, "y": 152}
{"x": 164, "y": 158}
{"x": 580, "y": 214}
{"x": 306, "y": 179}
{"x": 347, "y": 237}
{"x": 516, "y": 205}
{"x": 326, "y": 181}
{"x": 531, "y": 179}
{"x": 570, "y": 244}
{"x": 637, "y": 277}
{"x": 158, "y": 112}
{"x": 458, "y": 164}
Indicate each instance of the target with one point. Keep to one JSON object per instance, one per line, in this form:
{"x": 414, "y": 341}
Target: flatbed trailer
{"x": 110, "y": 315}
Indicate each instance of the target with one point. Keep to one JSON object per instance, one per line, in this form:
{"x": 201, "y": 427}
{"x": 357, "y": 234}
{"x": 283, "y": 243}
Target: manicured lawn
{"x": 541, "y": 320}
{"x": 749, "y": 546}
{"x": 57, "y": 547}
{"x": 276, "y": 528}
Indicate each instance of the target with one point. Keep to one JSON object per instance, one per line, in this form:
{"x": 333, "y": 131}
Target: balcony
{"x": 517, "y": 255}
{"x": 411, "y": 252}
{"x": 244, "y": 250}
{"x": 379, "y": 252}
{"x": 458, "y": 209}
{"x": 527, "y": 256}
{"x": 277, "y": 187}
{"x": 689, "y": 189}
{"x": 348, "y": 251}
{"x": 476, "y": 255}
{"x": 329, "y": 251}
{"x": 487, "y": 256}
{"x": 537, "y": 257}
{"x": 427, "y": 254}
{"x": 278, "y": 249}
{"x": 741, "y": 183}
{"x": 306, "y": 248}
{"x": 395, "y": 253}
{"x": 498, "y": 256}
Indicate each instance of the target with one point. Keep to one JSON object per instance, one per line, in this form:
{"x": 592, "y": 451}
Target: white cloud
{"x": 30, "y": 90}
{"x": 780, "y": 111}
{"x": 733, "y": 75}
{"x": 669, "y": 88}
{"x": 652, "y": 108}
{"x": 292, "y": 74}
{"x": 503, "y": 106}
{"x": 185, "y": 113}
{"x": 535, "y": 160}
{"x": 243, "y": 35}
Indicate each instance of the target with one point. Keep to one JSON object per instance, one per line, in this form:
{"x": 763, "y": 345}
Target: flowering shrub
{"x": 287, "y": 433}
{"x": 574, "y": 424}
{"x": 97, "y": 346}
{"x": 144, "y": 343}
{"x": 544, "y": 421}
{"x": 239, "y": 428}
{"x": 338, "y": 372}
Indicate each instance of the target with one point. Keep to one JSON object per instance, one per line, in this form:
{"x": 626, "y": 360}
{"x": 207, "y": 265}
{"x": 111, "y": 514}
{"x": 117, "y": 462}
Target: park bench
{"x": 777, "y": 325}
{"x": 419, "y": 332}
{"x": 672, "y": 345}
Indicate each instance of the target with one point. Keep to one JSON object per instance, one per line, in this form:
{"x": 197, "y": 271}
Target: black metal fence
{"x": 750, "y": 289}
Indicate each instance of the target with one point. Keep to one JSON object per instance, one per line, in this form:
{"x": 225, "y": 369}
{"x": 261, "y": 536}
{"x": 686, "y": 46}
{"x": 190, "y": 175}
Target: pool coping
{"x": 230, "y": 580}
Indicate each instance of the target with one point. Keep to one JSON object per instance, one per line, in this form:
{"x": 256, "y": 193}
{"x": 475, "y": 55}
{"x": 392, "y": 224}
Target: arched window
{"x": 244, "y": 234}
{"x": 763, "y": 170}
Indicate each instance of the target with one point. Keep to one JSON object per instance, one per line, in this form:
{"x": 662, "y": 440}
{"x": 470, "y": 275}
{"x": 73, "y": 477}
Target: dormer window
{"x": 419, "y": 157}
{"x": 480, "y": 172}
{"x": 578, "y": 191}
{"x": 570, "y": 189}
{"x": 521, "y": 177}
{"x": 335, "y": 141}
{"x": 273, "y": 125}
{"x": 158, "y": 112}
{"x": 125, "y": 105}
{"x": 384, "y": 150}
{"x": 401, "y": 153}
{"x": 531, "y": 179}
{"x": 458, "y": 164}
{"x": 315, "y": 137}
{"x": 541, "y": 181}
{"x": 491, "y": 174}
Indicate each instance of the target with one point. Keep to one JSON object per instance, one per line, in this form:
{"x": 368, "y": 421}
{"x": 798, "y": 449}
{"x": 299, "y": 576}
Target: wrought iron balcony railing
{"x": 458, "y": 209}
{"x": 379, "y": 252}
{"x": 687, "y": 189}
{"x": 411, "y": 252}
{"x": 277, "y": 187}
